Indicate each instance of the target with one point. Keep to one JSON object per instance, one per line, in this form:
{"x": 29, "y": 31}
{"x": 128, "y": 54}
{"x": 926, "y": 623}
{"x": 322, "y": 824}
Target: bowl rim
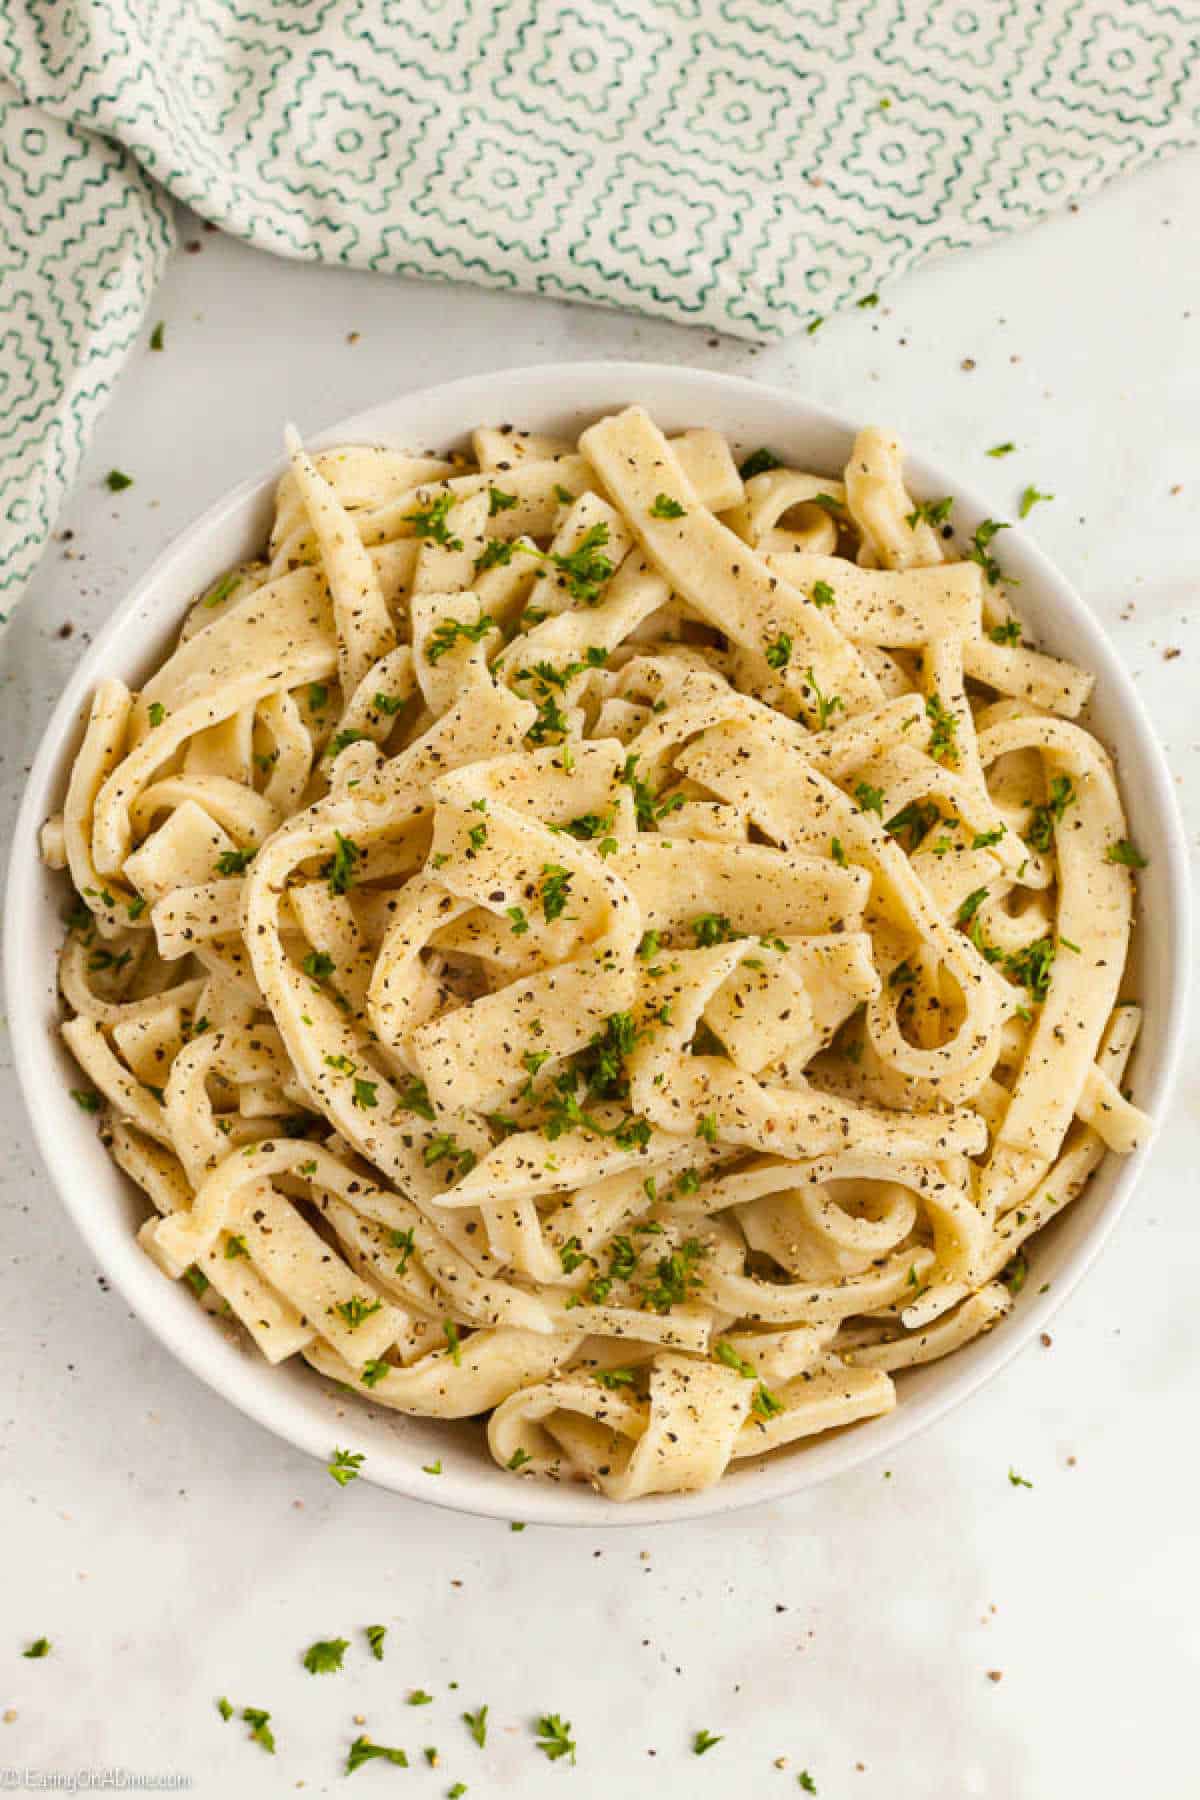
{"x": 187, "y": 1334}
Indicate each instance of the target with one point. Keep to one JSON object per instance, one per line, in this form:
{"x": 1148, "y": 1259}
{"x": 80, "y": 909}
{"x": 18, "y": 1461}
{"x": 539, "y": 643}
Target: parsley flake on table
{"x": 704, "y": 1741}
{"x": 418, "y": 1697}
{"x": 362, "y": 1750}
{"x": 158, "y": 337}
{"x": 116, "y": 480}
{"x": 40, "y": 1647}
{"x": 224, "y": 1708}
{"x": 1015, "y": 1480}
{"x": 260, "y": 1727}
{"x": 375, "y": 1637}
{"x": 476, "y": 1724}
{"x": 1031, "y": 498}
{"x": 805, "y": 1780}
{"x": 554, "y": 1738}
{"x": 325, "y": 1656}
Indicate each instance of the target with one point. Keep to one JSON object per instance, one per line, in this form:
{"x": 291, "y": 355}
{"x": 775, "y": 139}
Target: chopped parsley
{"x": 758, "y": 463}
{"x": 346, "y": 1465}
{"x": 223, "y": 589}
{"x": 116, "y": 480}
{"x": 40, "y": 1647}
{"x": 342, "y": 741}
{"x": 556, "y": 882}
{"x": 1015, "y": 1480}
{"x": 827, "y": 704}
{"x": 943, "y": 747}
{"x": 372, "y": 1372}
{"x": 779, "y": 651}
{"x": 448, "y": 633}
{"x": 499, "y": 502}
{"x": 476, "y": 1724}
{"x": 1047, "y": 816}
{"x": 224, "y": 1708}
{"x": 1125, "y": 853}
{"x": 518, "y": 1459}
{"x": 157, "y": 336}
{"x": 930, "y": 512}
{"x": 260, "y": 1727}
{"x": 415, "y": 1098}
{"x": 870, "y": 799}
{"x": 452, "y": 1344}
{"x": 666, "y": 508}
{"x": 318, "y": 964}
{"x": 1030, "y": 498}
{"x": 431, "y": 524}
{"x": 520, "y": 924}
{"x": 1001, "y": 450}
{"x": 235, "y": 862}
{"x": 554, "y": 1738}
{"x": 914, "y": 822}
{"x": 388, "y": 704}
{"x": 1032, "y": 967}
{"x": 712, "y": 928}
{"x": 325, "y": 1656}
{"x": 496, "y": 553}
{"x": 822, "y": 594}
{"x": 339, "y": 868}
{"x": 356, "y": 1309}
{"x": 978, "y": 552}
{"x": 703, "y": 1741}
{"x": 362, "y": 1750}
{"x": 366, "y": 1093}
{"x": 86, "y": 1100}
{"x": 675, "y": 1277}
{"x": 867, "y": 300}
{"x": 444, "y": 1147}
{"x": 1009, "y": 633}
{"x": 405, "y": 1244}
{"x": 235, "y": 1246}
{"x": 838, "y": 853}
{"x": 156, "y": 712}
{"x": 649, "y": 809}
{"x": 418, "y": 1697}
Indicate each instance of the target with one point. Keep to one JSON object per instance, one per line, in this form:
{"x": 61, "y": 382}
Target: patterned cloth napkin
{"x": 746, "y": 164}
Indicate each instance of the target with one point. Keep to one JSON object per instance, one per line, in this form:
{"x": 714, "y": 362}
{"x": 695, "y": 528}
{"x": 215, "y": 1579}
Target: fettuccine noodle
{"x": 585, "y": 936}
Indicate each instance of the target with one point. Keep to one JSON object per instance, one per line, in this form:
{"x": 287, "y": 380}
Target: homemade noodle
{"x": 579, "y": 936}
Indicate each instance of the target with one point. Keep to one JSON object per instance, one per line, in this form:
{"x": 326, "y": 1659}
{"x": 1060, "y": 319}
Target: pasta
{"x": 584, "y": 936}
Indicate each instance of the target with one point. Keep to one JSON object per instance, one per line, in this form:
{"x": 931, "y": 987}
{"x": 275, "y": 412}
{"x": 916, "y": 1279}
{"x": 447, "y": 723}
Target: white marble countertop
{"x": 925, "y": 1632}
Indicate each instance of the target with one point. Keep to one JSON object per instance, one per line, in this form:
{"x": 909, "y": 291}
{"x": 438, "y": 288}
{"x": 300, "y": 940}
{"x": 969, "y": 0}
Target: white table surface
{"x": 173, "y": 1551}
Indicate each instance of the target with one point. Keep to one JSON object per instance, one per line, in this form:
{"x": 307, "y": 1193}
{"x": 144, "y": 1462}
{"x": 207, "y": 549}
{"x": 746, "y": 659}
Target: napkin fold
{"x": 749, "y": 165}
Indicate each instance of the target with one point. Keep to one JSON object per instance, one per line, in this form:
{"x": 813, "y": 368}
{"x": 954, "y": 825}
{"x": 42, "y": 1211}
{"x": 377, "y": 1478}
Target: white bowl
{"x": 292, "y": 1400}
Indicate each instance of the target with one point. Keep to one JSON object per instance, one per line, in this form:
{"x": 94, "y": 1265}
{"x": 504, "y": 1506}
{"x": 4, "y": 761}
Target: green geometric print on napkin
{"x": 743, "y": 164}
